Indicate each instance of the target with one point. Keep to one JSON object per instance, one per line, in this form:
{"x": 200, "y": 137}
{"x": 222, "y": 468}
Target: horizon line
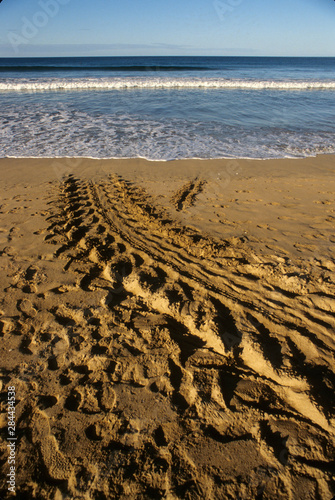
{"x": 166, "y": 56}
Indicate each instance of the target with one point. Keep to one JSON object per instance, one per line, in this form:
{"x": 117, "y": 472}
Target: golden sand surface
{"x": 168, "y": 328}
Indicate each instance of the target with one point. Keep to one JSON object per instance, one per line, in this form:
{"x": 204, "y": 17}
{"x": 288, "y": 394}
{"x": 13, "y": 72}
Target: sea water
{"x": 164, "y": 108}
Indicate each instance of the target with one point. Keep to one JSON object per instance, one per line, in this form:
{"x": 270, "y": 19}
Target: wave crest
{"x": 22, "y": 85}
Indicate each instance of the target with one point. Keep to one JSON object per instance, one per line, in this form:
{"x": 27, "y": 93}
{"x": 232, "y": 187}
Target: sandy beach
{"x": 168, "y": 328}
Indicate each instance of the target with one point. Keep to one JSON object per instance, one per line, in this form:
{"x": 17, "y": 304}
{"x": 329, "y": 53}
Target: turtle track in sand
{"x": 195, "y": 368}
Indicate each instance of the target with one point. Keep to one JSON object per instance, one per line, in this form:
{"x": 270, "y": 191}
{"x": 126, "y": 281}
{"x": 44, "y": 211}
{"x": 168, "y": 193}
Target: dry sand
{"x": 169, "y": 328}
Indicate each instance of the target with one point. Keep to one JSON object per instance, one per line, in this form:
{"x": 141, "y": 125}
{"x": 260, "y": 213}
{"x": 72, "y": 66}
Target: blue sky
{"x": 173, "y": 27}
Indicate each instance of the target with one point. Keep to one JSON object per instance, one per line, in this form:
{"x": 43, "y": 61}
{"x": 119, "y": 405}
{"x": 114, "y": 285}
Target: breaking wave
{"x": 55, "y": 84}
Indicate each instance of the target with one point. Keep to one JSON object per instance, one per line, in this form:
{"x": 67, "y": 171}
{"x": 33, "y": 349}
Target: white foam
{"x": 33, "y": 131}
{"x": 55, "y": 84}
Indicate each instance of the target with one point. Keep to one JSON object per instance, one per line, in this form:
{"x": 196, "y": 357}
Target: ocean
{"x": 164, "y": 108}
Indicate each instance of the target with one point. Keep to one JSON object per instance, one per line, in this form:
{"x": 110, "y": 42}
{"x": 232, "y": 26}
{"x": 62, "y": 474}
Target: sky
{"x": 42, "y": 28}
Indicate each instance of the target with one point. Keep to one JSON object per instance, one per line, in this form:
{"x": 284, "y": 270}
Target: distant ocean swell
{"x": 17, "y": 85}
{"x": 137, "y": 68}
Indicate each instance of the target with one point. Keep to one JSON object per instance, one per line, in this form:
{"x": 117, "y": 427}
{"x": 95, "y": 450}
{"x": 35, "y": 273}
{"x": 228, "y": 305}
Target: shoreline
{"x": 195, "y": 158}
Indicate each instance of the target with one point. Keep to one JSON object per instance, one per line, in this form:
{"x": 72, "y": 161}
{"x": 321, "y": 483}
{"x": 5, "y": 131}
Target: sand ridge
{"x": 154, "y": 360}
